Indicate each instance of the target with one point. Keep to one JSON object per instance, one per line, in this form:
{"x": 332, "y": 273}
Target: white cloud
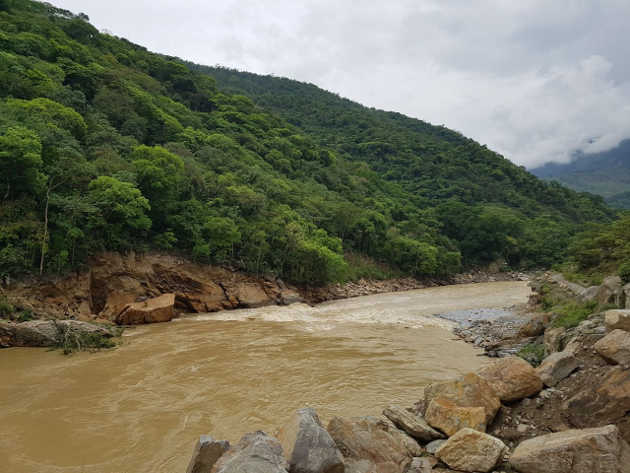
{"x": 534, "y": 80}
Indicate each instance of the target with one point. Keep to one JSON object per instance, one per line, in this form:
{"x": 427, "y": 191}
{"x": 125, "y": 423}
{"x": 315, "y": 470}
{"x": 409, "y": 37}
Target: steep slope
{"x": 106, "y": 146}
{"x": 606, "y": 174}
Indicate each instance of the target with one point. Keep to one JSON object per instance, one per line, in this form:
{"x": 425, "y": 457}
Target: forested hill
{"x": 606, "y": 174}
{"x": 107, "y": 146}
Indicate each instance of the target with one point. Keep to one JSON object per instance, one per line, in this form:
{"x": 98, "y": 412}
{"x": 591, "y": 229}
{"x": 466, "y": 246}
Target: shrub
{"x": 6, "y": 308}
{"x": 534, "y": 353}
{"x": 624, "y": 272}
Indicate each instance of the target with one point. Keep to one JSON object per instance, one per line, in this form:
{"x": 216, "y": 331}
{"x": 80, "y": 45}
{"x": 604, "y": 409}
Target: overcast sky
{"x": 535, "y": 80}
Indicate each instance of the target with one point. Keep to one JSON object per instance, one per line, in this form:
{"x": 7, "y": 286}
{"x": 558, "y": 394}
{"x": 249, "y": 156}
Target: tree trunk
{"x": 43, "y": 252}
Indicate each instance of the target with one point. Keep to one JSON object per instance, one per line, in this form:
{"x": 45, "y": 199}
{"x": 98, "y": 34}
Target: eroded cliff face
{"x": 113, "y": 281}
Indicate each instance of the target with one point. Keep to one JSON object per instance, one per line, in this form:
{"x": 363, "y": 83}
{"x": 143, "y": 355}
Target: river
{"x": 139, "y": 408}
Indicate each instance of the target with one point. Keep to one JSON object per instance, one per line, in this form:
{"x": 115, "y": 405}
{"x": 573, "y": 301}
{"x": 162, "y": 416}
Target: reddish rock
{"x": 158, "y": 309}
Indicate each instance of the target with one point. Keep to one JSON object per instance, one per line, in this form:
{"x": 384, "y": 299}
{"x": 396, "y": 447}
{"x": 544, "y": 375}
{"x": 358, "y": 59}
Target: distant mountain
{"x": 606, "y": 174}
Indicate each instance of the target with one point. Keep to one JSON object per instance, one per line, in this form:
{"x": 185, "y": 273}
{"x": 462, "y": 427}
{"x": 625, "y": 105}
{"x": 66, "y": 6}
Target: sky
{"x": 536, "y": 80}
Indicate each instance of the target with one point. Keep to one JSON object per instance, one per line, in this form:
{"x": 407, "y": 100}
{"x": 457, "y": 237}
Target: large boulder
{"x": 470, "y": 450}
{"x": 617, "y": 319}
{"x": 597, "y": 450}
{"x": 556, "y": 367}
{"x": 256, "y": 452}
{"x": 157, "y": 309}
{"x": 512, "y": 378}
{"x": 251, "y": 295}
{"x": 610, "y": 292}
{"x": 372, "y": 444}
{"x": 206, "y": 453}
{"x": 308, "y": 446}
{"x": 469, "y": 390}
{"x": 606, "y": 402}
{"x": 445, "y": 415}
{"x": 47, "y": 333}
{"x": 414, "y": 425}
{"x": 615, "y": 347}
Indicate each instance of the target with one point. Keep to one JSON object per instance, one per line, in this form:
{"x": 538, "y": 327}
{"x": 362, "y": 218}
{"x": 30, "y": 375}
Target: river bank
{"x": 139, "y": 408}
{"x": 133, "y": 289}
{"x": 568, "y": 413}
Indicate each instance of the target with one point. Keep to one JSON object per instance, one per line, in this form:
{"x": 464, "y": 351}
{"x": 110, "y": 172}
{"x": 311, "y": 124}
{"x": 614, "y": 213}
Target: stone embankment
{"x": 569, "y": 414}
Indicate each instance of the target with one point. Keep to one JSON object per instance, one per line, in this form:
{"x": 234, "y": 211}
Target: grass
{"x": 572, "y": 313}
{"x": 8, "y": 311}
{"x": 533, "y": 352}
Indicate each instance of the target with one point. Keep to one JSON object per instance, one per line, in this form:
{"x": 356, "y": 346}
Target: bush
{"x": 624, "y": 272}
{"x": 71, "y": 340}
{"x": 534, "y": 353}
{"x": 6, "y": 308}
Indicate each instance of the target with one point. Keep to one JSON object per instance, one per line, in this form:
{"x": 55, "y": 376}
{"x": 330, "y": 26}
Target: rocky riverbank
{"x": 135, "y": 289}
{"x": 567, "y": 414}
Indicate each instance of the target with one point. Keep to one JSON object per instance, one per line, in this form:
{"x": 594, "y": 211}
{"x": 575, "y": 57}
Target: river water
{"x": 140, "y": 408}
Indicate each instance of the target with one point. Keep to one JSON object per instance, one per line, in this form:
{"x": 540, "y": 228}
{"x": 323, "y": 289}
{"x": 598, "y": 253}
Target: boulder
{"x": 46, "y": 333}
{"x": 615, "y": 347}
{"x": 617, "y": 319}
{"x": 157, "y": 309}
{"x": 512, "y": 378}
{"x": 556, "y": 367}
{"x": 256, "y": 452}
{"x": 626, "y": 294}
{"x": 535, "y": 326}
{"x": 372, "y": 444}
{"x": 589, "y": 294}
{"x": 251, "y": 295}
{"x": 445, "y": 415}
{"x": 596, "y": 450}
{"x": 206, "y": 453}
{"x": 610, "y": 292}
{"x": 553, "y": 339}
{"x": 414, "y": 425}
{"x": 471, "y": 450}
{"x": 469, "y": 390}
{"x": 432, "y": 447}
{"x": 308, "y": 447}
{"x": 421, "y": 465}
{"x": 606, "y": 402}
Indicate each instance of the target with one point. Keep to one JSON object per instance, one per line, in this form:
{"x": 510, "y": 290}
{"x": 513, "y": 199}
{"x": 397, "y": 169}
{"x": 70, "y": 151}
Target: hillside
{"x": 107, "y": 146}
{"x": 606, "y": 174}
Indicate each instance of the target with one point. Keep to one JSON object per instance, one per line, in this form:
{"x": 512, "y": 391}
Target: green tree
{"x": 20, "y": 160}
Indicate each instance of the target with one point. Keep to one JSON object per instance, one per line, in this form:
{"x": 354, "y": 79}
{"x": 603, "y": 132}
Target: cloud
{"x": 534, "y": 80}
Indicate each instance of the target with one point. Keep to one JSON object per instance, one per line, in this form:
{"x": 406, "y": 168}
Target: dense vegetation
{"x": 600, "y": 250}
{"x": 106, "y": 146}
{"x": 606, "y": 174}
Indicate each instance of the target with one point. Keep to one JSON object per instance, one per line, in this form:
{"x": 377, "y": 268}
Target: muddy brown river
{"x": 140, "y": 408}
